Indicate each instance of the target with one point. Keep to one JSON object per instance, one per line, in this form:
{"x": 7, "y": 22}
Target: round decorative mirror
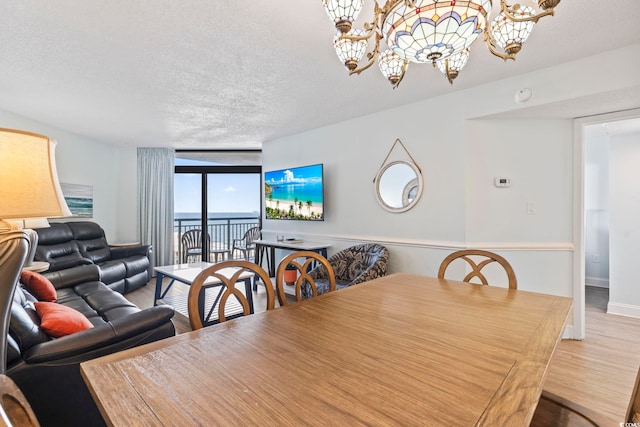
{"x": 399, "y": 186}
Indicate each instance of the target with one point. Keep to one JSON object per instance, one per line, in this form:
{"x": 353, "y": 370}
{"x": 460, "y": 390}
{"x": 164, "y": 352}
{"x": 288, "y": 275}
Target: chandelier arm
{"x": 367, "y": 36}
{"x": 490, "y": 42}
{"x": 535, "y": 18}
{"x": 374, "y": 26}
{"x": 446, "y": 67}
{"x": 371, "y": 55}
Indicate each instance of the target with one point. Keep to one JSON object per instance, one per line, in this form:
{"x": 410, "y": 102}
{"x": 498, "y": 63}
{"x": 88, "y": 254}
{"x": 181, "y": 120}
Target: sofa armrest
{"x": 74, "y": 276}
{"x": 64, "y": 262}
{"x": 127, "y": 251}
{"x": 91, "y": 340}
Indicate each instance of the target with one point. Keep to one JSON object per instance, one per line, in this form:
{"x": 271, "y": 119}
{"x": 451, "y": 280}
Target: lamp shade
{"x": 510, "y": 35}
{"x": 343, "y": 12}
{"x": 29, "y": 186}
{"x": 452, "y": 65}
{"x": 391, "y": 66}
{"x": 350, "y": 52}
{"x": 428, "y": 30}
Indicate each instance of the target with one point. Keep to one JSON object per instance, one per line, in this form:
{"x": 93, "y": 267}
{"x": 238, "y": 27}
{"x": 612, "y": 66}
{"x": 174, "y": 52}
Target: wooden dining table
{"x": 399, "y": 350}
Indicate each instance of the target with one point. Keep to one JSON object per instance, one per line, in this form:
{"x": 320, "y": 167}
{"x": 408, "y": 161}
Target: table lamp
{"x": 29, "y": 187}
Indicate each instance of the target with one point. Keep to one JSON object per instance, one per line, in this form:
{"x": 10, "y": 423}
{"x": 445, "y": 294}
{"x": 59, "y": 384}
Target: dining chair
{"x": 245, "y": 244}
{"x": 556, "y": 411}
{"x": 14, "y": 407}
{"x": 305, "y": 285}
{"x": 226, "y": 275}
{"x": 486, "y": 258}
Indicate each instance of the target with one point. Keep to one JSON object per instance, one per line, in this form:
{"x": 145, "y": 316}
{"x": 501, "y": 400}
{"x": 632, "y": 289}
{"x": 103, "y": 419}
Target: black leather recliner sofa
{"x": 67, "y": 245}
{"x": 47, "y": 369}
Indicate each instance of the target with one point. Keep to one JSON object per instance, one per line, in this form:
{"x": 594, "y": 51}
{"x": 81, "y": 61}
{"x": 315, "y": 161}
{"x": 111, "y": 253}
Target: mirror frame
{"x": 418, "y": 179}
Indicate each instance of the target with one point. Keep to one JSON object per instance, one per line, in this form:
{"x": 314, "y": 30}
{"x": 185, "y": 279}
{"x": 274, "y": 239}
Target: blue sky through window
{"x": 226, "y": 193}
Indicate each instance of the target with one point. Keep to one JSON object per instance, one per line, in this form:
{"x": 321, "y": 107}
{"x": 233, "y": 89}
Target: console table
{"x": 270, "y": 256}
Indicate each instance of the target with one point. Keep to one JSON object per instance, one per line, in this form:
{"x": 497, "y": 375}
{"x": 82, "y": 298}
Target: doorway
{"x": 595, "y": 206}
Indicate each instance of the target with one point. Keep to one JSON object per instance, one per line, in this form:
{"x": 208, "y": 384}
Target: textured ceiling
{"x": 220, "y": 74}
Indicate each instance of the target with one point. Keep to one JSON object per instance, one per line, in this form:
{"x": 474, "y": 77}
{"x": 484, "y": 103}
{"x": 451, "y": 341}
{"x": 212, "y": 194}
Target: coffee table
{"x": 186, "y": 273}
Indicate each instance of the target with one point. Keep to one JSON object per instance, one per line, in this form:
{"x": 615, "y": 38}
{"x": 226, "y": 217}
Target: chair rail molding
{"x": 433, "y": 244}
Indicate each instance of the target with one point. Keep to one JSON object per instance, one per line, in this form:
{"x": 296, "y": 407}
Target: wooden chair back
{"x": 14, "y": 407}
{"x": 476, "y": 268}
{"x": 556, "y": 411}
{"x": 226, "y": 274}
{"x": 633, "y": 412}
{"x": 311, "y": 259}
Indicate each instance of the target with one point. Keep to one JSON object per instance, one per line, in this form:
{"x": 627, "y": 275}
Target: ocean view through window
{"x": 231, "y": 196}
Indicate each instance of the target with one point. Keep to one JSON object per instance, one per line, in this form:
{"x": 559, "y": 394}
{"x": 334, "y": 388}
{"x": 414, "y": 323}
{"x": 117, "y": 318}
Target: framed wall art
{"x": 79, "y": 198}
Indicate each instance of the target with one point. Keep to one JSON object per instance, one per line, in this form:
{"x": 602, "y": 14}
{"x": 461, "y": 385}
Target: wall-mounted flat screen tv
{"x": 295, "y": 193}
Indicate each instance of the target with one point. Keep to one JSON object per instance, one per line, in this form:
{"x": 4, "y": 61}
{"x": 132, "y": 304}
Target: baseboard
{"x": 596, "y": 282}
{"x": 567, "y": 334}
{"x": 623, "y": 309}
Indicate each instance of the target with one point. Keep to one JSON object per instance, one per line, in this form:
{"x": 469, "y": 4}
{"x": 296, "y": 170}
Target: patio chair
{"x": 191, "y": 244}
{"x": 245, "y": 245}
{"x": 192, "y": 247}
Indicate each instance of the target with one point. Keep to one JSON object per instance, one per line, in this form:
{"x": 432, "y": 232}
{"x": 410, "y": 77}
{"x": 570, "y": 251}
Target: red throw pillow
{"x": 39, "y": 286}
{"x": 59, "y": 320}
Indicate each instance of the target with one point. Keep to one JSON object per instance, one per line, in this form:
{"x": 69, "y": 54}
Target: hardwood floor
{"x": 598, "y": 372}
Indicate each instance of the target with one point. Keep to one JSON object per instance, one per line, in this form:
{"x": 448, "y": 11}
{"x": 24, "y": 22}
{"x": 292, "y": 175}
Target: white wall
{"x": 529, "y": 222}
{"x": 111, "y": 170}
{"x": 460, "y": 207}
{"x": 624, "y": 190}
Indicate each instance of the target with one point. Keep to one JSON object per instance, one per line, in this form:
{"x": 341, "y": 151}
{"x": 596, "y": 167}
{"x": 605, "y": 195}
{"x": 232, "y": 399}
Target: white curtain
{"x": 155, "y": 201}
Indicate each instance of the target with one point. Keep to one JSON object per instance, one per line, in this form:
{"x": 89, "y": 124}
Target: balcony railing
{"x": 221, "y": 230}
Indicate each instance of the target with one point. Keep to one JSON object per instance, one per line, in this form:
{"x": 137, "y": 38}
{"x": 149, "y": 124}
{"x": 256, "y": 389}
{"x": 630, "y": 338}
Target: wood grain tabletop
{"x": 399, "y": 350}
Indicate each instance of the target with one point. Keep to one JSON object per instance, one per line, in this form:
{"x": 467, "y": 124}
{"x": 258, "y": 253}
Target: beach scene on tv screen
{"x": 294, "y": 193}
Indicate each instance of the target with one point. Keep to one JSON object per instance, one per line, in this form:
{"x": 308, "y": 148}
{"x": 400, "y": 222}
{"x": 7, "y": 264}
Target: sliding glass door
{"x": 224, "y": 200}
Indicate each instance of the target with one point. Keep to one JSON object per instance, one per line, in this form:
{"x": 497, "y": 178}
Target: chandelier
{"x": 429, "y": 31}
